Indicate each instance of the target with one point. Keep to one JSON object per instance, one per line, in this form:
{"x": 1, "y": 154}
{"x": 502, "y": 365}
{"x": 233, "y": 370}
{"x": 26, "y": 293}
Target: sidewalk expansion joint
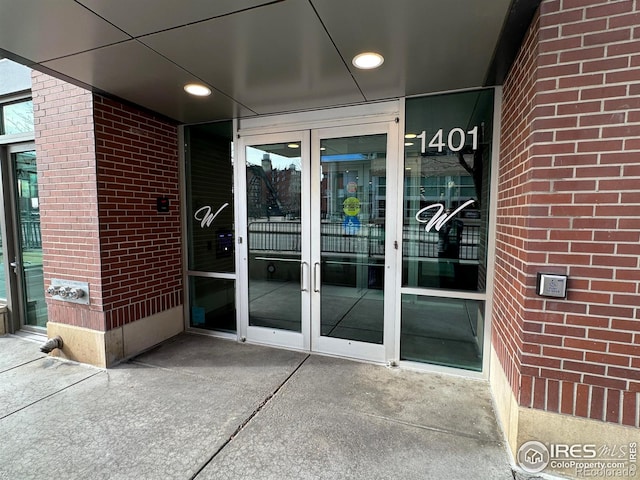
{"x": 23, "y": 364}
{"x": 249, "y": 418}
{"x": 479, "y": 436}
{"x": 50, "y": 395}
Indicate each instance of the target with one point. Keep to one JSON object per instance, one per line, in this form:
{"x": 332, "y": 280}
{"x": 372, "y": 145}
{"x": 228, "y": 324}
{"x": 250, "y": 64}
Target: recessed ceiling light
{"x": 197, "y": 89}
{"x": 408, "y": 144}
{"x": 368, "y": 60}
{"x": 410, "y": 135}
{"x": 293, "y": 145}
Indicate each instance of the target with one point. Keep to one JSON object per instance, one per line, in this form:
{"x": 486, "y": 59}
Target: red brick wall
{"x": 513, "y": 210}
{"x": 137, "y": 155}
{"x": 101, "y": 166}
{"x": 569, "y": 202}
{"x": 65, "y": 152}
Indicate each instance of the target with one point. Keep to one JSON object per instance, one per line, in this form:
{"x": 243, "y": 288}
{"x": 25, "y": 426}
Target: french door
{"x": 318, "y": 250}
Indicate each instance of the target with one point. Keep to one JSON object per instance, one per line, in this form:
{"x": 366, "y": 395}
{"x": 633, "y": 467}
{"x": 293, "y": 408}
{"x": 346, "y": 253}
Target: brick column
{"x": 65, "y": 152}
{"x": 137, "y": 156}
{"x": 569, "y": 203}
{"x": 101, "y": 167}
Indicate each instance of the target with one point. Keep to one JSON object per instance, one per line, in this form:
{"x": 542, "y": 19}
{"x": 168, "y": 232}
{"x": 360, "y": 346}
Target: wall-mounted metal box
{"x": 552, "y": 285}
{"x": 69, "y": 291}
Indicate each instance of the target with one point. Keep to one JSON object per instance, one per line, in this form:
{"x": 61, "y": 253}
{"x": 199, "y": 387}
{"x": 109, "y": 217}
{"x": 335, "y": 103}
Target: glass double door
{"x": 316, "y": 256}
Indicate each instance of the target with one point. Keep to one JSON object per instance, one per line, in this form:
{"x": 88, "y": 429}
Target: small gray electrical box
{"x": 551, "y": 285}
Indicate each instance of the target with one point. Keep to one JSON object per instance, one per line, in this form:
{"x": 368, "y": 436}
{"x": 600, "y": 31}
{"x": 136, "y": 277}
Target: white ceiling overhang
{"x": 263, "y": 57}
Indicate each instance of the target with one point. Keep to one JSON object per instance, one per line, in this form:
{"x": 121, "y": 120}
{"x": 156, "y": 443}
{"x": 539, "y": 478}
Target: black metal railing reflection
{"x": 275, "y": 236}
{"x": 31, "y": 236}
{"x": 417, "y": 242}
{"x": 286, "y": 237}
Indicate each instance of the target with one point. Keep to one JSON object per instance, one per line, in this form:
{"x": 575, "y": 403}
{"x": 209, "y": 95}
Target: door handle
{"x": 303, "y": 277}
{"x": 316, "y": 279}
{"x": 15, "y": 265}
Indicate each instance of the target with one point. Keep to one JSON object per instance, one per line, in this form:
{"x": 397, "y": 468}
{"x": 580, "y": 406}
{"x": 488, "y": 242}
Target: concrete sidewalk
{"x": 203, "y": 408}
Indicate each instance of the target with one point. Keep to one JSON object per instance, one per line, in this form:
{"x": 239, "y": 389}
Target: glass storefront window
{"x": 210, "y": 227}
{"x": 442, "y": 331}
{"x": 445, "y": 227}
{"x": 17, "y": 118}
{"x": 446, "y": 190}
{"x": 210, "y": 198}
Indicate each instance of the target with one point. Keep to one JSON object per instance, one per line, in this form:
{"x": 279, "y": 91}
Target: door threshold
{"x": 32, "y": 335}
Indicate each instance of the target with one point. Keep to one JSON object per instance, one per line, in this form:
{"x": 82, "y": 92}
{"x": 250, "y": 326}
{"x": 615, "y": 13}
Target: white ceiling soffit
{"x": 259, "y": 57}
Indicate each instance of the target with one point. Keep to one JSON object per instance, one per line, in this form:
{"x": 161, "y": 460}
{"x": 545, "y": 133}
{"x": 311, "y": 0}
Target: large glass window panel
{"x": 209, "y": 171}
{"x": 274, "y": 208}
{"x": 442, "y": 331}
{"x": 212, "y": 302}
{"x": 210, "y": 225}
{"x": 446, "y": 190}
{"x": 17, "y": 118}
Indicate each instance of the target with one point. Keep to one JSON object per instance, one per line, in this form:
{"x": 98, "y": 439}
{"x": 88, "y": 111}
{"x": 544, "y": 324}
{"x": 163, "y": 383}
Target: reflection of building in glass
{"x": 288, "y": 185}
{"x": 273, "y": 192}
{"x": 439, "y": 179}
{"x": 446, "y": 191}
{"x": 28, "y": 203}
{"x": 17, "y": 117}
{"x": 451, "y": 191}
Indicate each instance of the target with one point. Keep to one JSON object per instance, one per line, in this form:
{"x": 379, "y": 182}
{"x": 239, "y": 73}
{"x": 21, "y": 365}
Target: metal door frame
{"x": 264, "y": 335}
{"x": 384, "y": 117}
{"x": 383, "y": 353}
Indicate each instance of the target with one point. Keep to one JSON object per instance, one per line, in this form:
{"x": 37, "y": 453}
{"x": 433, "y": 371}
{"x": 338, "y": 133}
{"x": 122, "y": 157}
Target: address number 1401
{"x": 456, "y": 139}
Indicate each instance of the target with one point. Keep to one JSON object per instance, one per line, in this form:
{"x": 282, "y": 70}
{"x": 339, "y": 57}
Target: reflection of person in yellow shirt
{"x": 351, "y": 206}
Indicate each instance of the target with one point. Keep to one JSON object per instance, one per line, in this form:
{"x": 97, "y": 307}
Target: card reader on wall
{"x": 162, "y": 204}
{"x": 552, "y": 285}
